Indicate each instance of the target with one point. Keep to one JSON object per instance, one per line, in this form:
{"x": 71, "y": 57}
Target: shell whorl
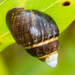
{"x": 34, "y": 30}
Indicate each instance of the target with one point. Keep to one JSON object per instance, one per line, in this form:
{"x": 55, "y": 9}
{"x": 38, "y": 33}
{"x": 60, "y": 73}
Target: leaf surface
{"x": 63, "y": 15}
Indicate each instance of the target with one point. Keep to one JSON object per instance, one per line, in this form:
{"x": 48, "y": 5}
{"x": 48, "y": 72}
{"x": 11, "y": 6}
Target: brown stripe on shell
{"x": 45, "y": 24}
{"x": 38, "y": 34}
{"x": 31, "y": 27}
{"x": 27, "y": 26}
{"x": 48, "y": 28}
{"x": 43, "y": 28}
{"x": 42, "y": 43}
{"x": 44, "y": 49}
{"x": 53, "y": 27}
{"x": 34, "y": 29}
{"x": 43, "y": 58}
{"x": 14, "y": 26}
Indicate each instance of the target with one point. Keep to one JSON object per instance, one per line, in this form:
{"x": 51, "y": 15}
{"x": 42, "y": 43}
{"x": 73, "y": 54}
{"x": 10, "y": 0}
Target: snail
{"x": 36, "y": 32}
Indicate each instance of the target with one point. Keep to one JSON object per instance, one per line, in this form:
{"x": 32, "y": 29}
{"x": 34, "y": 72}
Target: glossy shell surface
{"x": 31, "y": 27}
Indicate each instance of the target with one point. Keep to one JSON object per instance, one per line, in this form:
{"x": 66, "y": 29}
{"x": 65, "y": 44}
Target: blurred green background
{"x": 14, "y": 60}
{"x": 1, "y": 1}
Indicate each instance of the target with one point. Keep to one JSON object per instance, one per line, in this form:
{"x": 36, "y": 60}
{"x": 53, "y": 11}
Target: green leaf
{"x": 63, "y": 15}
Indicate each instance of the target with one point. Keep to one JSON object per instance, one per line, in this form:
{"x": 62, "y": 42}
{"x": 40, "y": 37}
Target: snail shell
{"x": 36, "y": 31}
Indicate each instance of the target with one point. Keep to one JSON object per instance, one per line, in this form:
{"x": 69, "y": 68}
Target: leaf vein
{"x": 4, "y": 34}
{"x": 50, "y": 6}
{"x": 2, "y": 2}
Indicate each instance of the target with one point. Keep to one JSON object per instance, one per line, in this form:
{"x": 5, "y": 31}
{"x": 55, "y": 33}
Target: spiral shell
{"x": 36, "y": 31}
